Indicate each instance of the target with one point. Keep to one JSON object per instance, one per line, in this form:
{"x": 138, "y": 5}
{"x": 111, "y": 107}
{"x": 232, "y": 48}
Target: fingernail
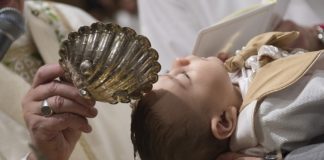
{"x": 87, "y": 128}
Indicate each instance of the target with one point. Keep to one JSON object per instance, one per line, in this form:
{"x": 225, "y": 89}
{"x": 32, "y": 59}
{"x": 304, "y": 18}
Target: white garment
{"x": 126, "y": 19}
{"x": 286, "y": 120}
{"x": 13, "y": 134}
{"x": 172, "y": 25}
{"x": 306, "y": 12}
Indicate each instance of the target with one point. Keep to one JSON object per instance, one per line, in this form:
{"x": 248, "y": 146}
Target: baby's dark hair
{"x": 189, "y": 138}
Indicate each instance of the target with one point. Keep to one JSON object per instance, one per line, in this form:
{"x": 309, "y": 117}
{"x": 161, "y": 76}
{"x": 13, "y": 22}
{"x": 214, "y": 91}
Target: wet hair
{"x": 188, "y": 138}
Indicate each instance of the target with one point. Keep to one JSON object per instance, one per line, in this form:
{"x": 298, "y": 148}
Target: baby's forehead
{"x": 164, "y": 97}
{"x": 171, "y": 108}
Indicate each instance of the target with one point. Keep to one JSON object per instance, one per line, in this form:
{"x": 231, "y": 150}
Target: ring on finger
{"x": 46, "y": 109}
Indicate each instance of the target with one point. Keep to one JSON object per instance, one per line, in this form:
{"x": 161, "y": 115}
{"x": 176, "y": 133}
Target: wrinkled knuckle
{"x": 68, "y": 116}
{"x": 61, "y": 119}
{"x": 58, "y": 103}
{"x": 53, "y": 87}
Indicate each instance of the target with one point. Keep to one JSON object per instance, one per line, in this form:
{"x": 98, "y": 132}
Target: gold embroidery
{"x": 23, "y": 58}
{"x": 47, "y": 13}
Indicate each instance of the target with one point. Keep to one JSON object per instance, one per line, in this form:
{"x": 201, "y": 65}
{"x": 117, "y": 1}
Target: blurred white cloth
{"x": 126, "y": 19}
{"x": 172, "y": 26}
{"x": 306, "y": 12}
{"x": 14, "y": 136}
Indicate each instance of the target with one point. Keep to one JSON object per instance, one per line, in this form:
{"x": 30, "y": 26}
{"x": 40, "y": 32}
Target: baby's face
{"x": 194, "y": 82}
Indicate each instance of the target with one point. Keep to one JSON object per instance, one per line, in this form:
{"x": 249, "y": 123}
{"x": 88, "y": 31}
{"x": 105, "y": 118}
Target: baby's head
{"x": 190, "y": 114}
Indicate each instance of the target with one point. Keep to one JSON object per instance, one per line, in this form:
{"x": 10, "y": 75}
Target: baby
{"x": 192, "y": 112}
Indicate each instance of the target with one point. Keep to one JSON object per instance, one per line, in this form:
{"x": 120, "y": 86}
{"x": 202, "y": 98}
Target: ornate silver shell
{"x": 109, "y": 63}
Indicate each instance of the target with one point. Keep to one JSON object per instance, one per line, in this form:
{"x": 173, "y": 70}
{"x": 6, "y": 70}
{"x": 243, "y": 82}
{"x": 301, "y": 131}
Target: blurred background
{"x": 123, "y": 12}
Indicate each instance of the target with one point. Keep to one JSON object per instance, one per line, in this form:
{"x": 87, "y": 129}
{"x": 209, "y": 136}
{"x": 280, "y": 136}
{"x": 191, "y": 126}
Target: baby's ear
{"x": 224, "y": 125}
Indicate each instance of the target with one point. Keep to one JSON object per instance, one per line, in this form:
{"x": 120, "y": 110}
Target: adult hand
{"x": 307, "y": 38}
{"x": 55, "y": 136}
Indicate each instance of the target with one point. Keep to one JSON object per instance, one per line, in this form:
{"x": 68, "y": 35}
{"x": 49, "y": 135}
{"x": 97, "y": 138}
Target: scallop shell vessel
{"x": 109, "y": 63}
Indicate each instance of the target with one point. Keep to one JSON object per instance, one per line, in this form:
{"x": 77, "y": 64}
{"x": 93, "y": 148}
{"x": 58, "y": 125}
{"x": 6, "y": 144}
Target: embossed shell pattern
{"x": 109, "y": 63}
